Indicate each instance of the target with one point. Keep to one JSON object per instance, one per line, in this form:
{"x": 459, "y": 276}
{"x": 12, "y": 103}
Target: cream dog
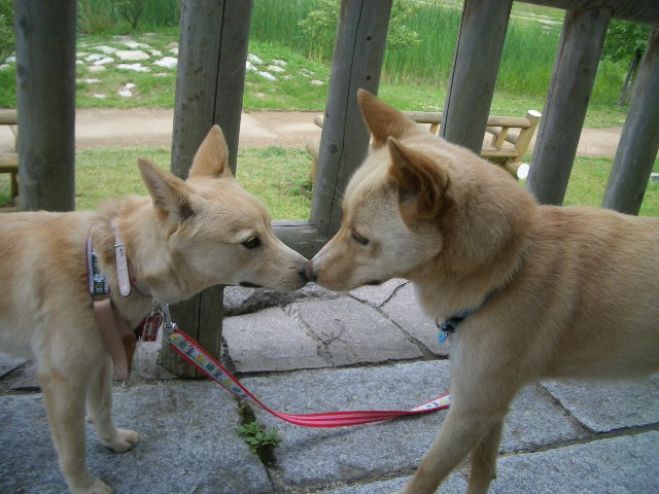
{"x": 188, "y": 236}
{"x": 527, "y": 291}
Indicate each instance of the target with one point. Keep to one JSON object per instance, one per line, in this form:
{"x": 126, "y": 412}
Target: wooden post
{"x": 45, "y": 83}
{"x": 639, "y": 141}
{"x": 209, "y": 90}
{"x": 475, "y": 66}
{"x": 357, "y": 62}
{"x": 574, "y": 71}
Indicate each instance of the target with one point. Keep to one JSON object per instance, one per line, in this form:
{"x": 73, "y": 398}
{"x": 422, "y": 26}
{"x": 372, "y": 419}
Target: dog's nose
{"x": 309, "y": 272}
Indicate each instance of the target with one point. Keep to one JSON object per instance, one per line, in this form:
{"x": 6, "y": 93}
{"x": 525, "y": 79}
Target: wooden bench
{"x": 506, "y": 148}
{"x": 9, "y": 157}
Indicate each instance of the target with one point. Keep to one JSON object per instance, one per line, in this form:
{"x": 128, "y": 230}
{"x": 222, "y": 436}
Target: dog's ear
{"x": 422, "y": 185}
{"x": 170, "y": 194}
{"x": 382, "y": 120}
{"x": 212, "y": 157}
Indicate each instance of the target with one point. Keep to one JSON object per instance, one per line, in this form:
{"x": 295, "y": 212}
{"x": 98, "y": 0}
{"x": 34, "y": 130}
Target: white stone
{"x": 254, "y": 59}
{"x": 132, "y": 55}
{"x": 100, "y": 95}
{"x": 104, "y": 61}
{"x": 287, "y": 77}
{"x": 155, "y": 53}
{"x": 172, "y": 45}
{"x": 267, "y": 75}
{"x": 174, "y": 51}
{"x": 79, "y": 62}
{"x": 249, "y": 67}
{"x": 162, "y": 74}
{"x": 4, "y": 66}
{"x": 91, "y": 81}
{"x": 11, "y": 59}
{"x": 134, "y": 45}
{"x": 316, "y": 82}
{"x": 93, "y": 57}
{"x": 275, "y": 68}
{"x": 107, "y": 50}
{"x": 133, "y": 67}
{"x": 280, "y": 63}
{"x": 126, "y": 90}
{"x": 167, "y": 62}
{"x": 95, "y": 68}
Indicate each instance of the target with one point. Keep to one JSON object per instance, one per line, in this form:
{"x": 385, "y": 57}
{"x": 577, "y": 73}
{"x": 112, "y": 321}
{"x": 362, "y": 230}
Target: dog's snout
{"x": 309, "y": 274}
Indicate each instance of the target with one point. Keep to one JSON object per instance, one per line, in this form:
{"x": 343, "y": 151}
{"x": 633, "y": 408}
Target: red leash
{"x": 191, "y": 351}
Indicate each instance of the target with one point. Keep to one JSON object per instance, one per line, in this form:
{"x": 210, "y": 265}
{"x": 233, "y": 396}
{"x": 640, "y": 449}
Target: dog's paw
{"x": 123, "y": 441}
{"x": 96, "y": 486}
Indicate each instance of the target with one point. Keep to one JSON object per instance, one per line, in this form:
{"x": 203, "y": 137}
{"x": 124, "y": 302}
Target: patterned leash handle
{"x": 191, "y": 351}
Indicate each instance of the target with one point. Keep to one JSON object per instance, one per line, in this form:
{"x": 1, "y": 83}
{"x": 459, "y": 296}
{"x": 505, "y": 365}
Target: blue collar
{"x": 451, "y": 324}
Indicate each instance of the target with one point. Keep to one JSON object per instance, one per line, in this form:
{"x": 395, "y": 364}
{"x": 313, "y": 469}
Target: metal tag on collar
{"x": 168, "y": 324}
{"x": 121, "y": 262}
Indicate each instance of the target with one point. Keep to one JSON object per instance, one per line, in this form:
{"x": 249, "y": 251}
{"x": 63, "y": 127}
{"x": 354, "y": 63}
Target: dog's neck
{"x": 153, "y": 268}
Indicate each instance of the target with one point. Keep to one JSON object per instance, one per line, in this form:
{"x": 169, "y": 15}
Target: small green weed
{"x": 261, "y": 441}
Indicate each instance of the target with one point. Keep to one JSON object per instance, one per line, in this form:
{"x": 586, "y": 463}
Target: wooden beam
{"x": 475, "y": 66}
{"x": 301, "y": 236}
{"x": 574, "y": 71}
{"x": 8, "y": 117}
{"x": 637, "y": 10}
{"x": 357, "y": 63}
{"x": 45, "y": 83}
{"x": 639, "y": 141}
{"x": 209, "y": 89}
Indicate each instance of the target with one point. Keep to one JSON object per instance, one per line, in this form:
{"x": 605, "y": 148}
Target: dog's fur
{"x": 184, "y": 238}
{"x": 559, "y": 292}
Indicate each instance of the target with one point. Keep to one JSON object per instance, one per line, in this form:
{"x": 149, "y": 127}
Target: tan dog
{"x": 550, "y": 292}
{"x": 188, "y": 236}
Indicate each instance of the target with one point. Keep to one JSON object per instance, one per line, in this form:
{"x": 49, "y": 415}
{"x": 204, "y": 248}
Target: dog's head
{"x": 215, "y": 231}
{"x": 416, "y": 198}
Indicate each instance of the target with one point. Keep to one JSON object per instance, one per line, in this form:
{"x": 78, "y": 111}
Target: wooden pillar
{"x": 639, "y": 141}
{"x": 475, "y": 66}
{"x": 45, "y": 84}
{"x": 357, "y": 63}
{"x": 574, "y": 71}
{"x": 209, "y": 89}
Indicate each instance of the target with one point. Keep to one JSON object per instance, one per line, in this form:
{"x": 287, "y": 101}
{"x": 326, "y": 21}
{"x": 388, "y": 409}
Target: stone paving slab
{"x": 270, "y": 340}
{"x": 603, "y": 407}
{"x": 377, "y": 295}
{"x": 455, "y": 484}
{"x": 352, "y": 332}
{"x": 405, "y": 311}
{"x": 187, "y": 444}
{"x": 309, "y": 457}
{"x": 8, "y": 363}
{"x": 621, "y": 465}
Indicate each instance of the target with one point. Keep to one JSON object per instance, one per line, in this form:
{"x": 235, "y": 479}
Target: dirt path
{"x": 151, "y": 127}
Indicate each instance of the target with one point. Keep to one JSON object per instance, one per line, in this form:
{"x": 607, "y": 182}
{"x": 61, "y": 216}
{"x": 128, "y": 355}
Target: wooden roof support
{"x": 357, "y": 63}
{"x": 574, "y": 71}
{"x": 639, "y": 141}
{"x": 45, "y": 57}
{"x": 209, "y": 89}
{"x": 475, "y": 66}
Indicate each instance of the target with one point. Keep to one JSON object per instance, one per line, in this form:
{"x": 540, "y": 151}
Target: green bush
{"x": 7, "y": 39}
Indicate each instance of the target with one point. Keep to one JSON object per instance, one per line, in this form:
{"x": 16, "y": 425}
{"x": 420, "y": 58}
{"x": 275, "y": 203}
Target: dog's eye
{"x": 359, "y": 239}
{"x": 252, "y": 243}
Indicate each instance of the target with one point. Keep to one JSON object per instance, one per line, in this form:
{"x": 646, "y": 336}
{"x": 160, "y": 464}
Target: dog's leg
{"x": 484, "y": 461}
{"x": 65, "y": 402}
{"x": 483, "y": 386}
{"x": 99, "y": 407}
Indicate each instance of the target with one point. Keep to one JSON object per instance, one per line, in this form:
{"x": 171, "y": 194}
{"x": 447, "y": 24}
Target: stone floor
{"x": 312, "y": 351}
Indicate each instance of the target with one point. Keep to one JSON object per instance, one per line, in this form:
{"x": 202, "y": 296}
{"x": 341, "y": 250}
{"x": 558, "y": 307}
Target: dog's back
{"x": 599, "y": 273}
{"x": 41, "y": 255}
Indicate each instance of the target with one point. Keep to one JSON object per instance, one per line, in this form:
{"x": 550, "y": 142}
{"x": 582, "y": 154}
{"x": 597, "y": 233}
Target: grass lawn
{"x": 280, "y": 178}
